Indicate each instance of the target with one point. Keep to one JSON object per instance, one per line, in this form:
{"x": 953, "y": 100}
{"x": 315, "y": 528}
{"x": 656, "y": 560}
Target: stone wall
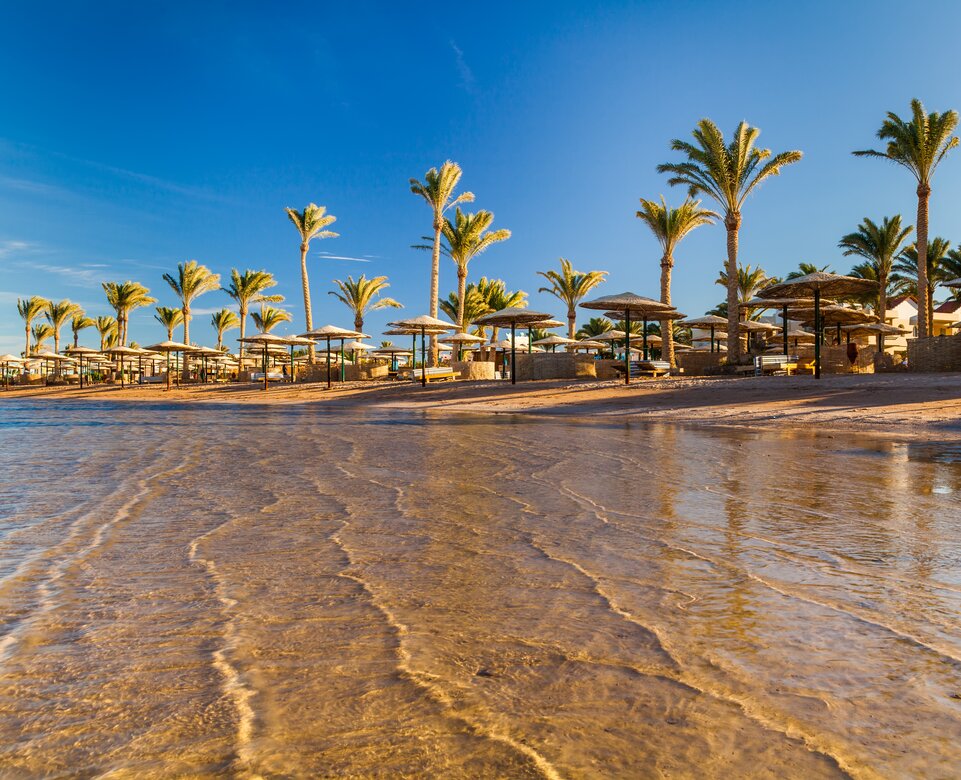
{"x": 473, "y": 369}
{"x": 554, "y": 365}
{"x": 936, "y": 353}
{"x": 699, "y": 363}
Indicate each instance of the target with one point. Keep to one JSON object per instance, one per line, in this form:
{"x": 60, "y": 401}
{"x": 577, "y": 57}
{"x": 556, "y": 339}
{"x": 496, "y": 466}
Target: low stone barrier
{"x": 554, "y": 365}
{"x": 699, "y": 363}
{"x": 935, "y": 353}
{"x": 473, "y": 369}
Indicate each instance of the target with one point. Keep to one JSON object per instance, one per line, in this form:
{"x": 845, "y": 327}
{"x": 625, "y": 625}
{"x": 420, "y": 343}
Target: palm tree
{"x": 223, "y": 321}
{"x": 29, "y": 309}
{"x": 80, "y": 321}
{"x": 269, "y": 317}
{"x": 805, "y": 269}
{"x": 596, "y": 326}
{"x": 41, "y": 332}
{"x": 247, "y": 288}
{"x": 362, "y": 296}
{"x": 474, "y": 305}
{"x": 311, "y": 223}
{"x": 878, "y": 245}
{"x": 124, "y": 297}
{"x": 466, "y": 237}
{"x": 749, "y": 281}
{"x": 106, "y": 327}
{"x": 57, "y": 314}
{"x": 920, "y": 144}
{"x": 669, "y": 226}
{"x": 911, "y": 278}
{"x": 570, "y": 287}
{"x": 496, "y": 296}
{"x": 951, "y": 269}
{"x": 437, "y": 190}
{"x": 728, "y": 174}
{"x": 170, "y": 318}
{"x": 191, "y": 281}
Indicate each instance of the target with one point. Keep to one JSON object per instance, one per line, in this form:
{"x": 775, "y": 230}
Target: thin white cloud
{"x": 8, "y": 248}
{"x": 325, "y": 256}
{"x": 467, "y": 80}
{"x": 207, "y": 311}
{"x": 77, "y": 277}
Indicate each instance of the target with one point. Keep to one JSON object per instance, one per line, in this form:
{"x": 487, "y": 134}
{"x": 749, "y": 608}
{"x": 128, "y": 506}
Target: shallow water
{"x": 256, "y": 591}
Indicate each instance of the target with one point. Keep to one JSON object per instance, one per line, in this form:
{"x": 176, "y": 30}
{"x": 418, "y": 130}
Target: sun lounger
{"x": 652, "y": 368}
{"x": 436, "y": 374}
{"x": 775, "y": 364}
{"x": 273, "y": 376}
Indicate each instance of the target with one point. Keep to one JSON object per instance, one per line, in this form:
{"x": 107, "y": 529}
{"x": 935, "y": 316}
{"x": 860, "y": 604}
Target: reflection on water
{"x": 294, "y": 592}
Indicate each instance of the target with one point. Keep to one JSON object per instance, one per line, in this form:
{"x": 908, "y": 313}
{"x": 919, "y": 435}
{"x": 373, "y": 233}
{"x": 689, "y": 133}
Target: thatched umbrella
{"x": 625, "y": 305}
{"x": 81, "y": 352}
{"x": 542, "y": 325}
{"x": 553, "y": 341}
{"x": 424, "y": 324}
{"x": 587, "y": 344}
{"x": 168, "y": 347}
{"x": 331, "y": 333}
{"x": 203, "y": 353}
{"x": 710, "y": 322}
{"x": 295, "y": 341}
{"x": 6, "y": 361}
{"x": 512, "y": 316}
{"x": 777, "y": 303}
{"x": 265, "y": 340}
{"x": 121, "y": 353}
{"x": 460, "y": 339}
{"x": 834, "y": 315}
{"x": 392, "y": 352}
{"x": 46, "y": 356}
{"x": 820, "y": 285}
{"x": 879, "y": 329}
{"x": 646, "y": 316}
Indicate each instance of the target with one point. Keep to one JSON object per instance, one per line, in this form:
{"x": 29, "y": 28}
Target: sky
{"x": 134, "y": 137}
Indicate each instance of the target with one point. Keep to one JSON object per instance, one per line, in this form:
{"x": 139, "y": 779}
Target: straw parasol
{"x": 50, "y": 357}
{"x": 295, "y": 341}
{"x": 553, "y": 341}
{"x": 121, "y": 352}
{"x": 586, "y": 344}
{"x": 81, "y": 353}
{"x": 548, "y": 324}
{"x": 513, "y": 316}
{"x": 833, "y": 315}
{"x": 203, "y": 353}
{"x": 265, "y": 340}
{"x": 6, "y": 361}
{"x": 425, "y": 325}
{"x": 820, "y": 285}
{"x": 626, "y": 305}
{"x": 777, "y": 303}
{"x": 168, "y": 347}
{"x": 332, "y": 333}
{"x": 709, "y": 322}
{"x": 460, "y": 339}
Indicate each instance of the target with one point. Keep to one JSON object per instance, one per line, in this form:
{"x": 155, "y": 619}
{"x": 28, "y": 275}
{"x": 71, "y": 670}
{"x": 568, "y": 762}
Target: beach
{"x": 392, "y": 584}
{"x": 905, "y": 404}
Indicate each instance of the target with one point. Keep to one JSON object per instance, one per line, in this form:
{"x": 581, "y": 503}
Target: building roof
{"x": 948, "y": 307}
{"x": 897, "y": 300}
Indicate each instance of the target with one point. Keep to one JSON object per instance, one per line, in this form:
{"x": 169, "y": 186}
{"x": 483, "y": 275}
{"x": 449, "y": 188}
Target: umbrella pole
{"x": 265, "y": 365}
{"x": 168, "y": 370}
{"x": 644, "y": 336}
{"x": 627, "y": 347}
{"x": 817, "y": 334}
{"x": 121, "y": 373}
{"x": 784, "y": 326}
{"x": 80, "y": 369}
{"x": 712, "y": 339}
{"x": 343, "y": 369}
{"x": 291, "y": 364}
{"x": 513, "y": 357}
{"x": 328, "y": 364}
{"x": 529, "y": 347}
{"x": 839, "y": 332}
{"x": 423, "y": 358}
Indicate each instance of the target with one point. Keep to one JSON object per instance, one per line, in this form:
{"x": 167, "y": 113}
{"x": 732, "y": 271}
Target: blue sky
{"x": 136, "y": 136}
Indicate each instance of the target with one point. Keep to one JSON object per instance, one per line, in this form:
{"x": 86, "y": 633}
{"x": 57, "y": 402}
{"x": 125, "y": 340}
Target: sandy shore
{"x": 905, "y": 404}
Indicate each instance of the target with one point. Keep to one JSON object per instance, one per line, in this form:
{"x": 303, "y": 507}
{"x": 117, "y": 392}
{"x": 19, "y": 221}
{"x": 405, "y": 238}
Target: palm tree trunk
{"x": 882, "y": 306}
{"x": 185, "y": 372}
{"x": 243, "y": 331}
{"x": 56, "y": 348}
{"x": 461, "y": 294}
{"x": 359, "y": 322}
{"x": 571, "y": 321}
{"x": 667, "y": 329}
{"x": 308, "y": 317}
{"x": 435, "y": 283}
{"x": 26, "y": 353}
{"x": 924, "y": 192}
{"x": 732, "y": 221}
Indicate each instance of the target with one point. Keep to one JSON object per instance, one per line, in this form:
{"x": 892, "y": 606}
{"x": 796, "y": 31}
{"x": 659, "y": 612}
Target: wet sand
{"x": 315, "y": 591}
{"x": 915, "y": 405}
